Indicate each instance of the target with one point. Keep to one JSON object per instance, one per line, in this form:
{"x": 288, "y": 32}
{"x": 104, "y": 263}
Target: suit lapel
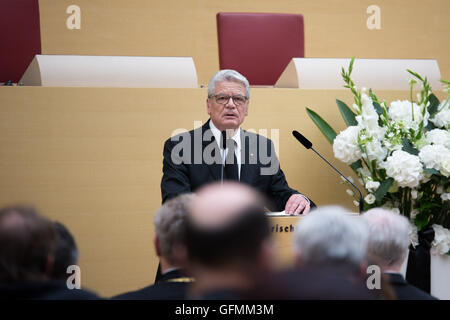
{"x": 215, "y": 168}
{"x": 248, "y": 160}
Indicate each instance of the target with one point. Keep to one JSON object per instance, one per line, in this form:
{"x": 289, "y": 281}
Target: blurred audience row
{"x": 217, "y": 244}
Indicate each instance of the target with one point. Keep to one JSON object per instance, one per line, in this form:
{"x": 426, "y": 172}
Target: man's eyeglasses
{"x": 223, "y": 99}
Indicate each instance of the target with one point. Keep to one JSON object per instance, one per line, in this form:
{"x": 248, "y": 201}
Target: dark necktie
{"x": 231, "y": 166}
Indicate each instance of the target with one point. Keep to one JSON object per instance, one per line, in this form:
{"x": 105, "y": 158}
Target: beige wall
{"x": 92, "y": 159}
{"x": 333, "y": 28}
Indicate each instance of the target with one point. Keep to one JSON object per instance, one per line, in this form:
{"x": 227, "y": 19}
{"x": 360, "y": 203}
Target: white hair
{"x": 388, "y": 235}
{"x": 329, "y": 234}
{"x": 227, "y": 75}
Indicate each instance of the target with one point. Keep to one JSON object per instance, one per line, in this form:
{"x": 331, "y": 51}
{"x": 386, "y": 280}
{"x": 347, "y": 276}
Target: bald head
{"x": 218, "y": 205}
{"x": 226, "y": 225}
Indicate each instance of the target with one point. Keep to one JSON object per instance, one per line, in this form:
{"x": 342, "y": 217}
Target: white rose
{"x": 405, "y": 168}
{"x": 442, "y": 118}
{"x": 445, "y": 196}
{"x": 372, "y": 185}
{"x": 438, "y": 136}
{"x": 400, "y": 111}
{"x": 436, "y": 156}
{"x": 445, "y": 167}
{"x": 441, "y": 242}
{"x": 375, "y": 151}
{"x": 370, "y": 198}
{"x": 345, "y": 145}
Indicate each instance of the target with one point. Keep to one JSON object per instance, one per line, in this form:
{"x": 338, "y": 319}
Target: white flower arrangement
{"x": 400, "y": 153}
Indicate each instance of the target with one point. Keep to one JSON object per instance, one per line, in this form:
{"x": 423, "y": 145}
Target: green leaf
{"x": 415, "y": 74}
{"x": 383, "y": 188}
{"x": 409, "y": 147}
{"x": 434, "y": 104}
{"x": 431, "y": 171}
{"x": 421, "y": 221}
{"x": 378, "y": 108}
{"x": 347, "y": 113}
{"x": 356, "y": 165}
{"x": 323, "y": 126}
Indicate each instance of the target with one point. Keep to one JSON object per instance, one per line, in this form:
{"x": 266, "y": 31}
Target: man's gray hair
{"x": 388, "y": 235}
{"x": 328, "y": 235}
{"x": 170, "y": 224}
{"x": 227, "y": 75}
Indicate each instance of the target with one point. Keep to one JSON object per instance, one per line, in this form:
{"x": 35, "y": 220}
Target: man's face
{"x": 228, "y": 115}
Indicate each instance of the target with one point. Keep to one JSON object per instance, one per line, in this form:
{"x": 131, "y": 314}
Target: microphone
{"x": 223, "y": 143}
{"x": 308, "y": 145}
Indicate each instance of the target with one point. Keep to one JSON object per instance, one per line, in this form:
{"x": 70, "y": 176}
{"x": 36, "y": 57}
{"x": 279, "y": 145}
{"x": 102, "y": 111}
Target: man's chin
{"x": 230, "y": 124}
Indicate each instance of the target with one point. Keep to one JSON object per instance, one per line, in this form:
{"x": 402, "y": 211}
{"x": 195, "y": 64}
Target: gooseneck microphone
{"x": 308, "y": 145}
{"x": 223, "y": 143}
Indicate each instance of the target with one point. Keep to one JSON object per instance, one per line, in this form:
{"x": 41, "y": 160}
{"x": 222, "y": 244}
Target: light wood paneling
{"x": 410, "y": 29}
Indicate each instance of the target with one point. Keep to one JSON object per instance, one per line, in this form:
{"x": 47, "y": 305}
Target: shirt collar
{"x": 217, "y": 134}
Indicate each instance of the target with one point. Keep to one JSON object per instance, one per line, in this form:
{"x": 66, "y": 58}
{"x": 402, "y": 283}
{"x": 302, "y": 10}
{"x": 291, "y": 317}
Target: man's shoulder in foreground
{"x": 406, "y": 291}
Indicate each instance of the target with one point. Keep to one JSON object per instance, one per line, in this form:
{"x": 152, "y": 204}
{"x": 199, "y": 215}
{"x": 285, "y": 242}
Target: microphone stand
{"x": 223, "y": 143}
{"x": 361, "y": 203}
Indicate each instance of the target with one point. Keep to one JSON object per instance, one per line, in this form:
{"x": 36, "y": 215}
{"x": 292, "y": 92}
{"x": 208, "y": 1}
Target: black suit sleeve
{"x": 279, "y": 188}
{"x": 175, "y": 178}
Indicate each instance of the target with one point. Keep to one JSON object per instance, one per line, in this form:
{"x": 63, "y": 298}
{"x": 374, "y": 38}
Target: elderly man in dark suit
{"x": 169, "y": 242}
{"x": 195, "y": 158}
{"x": 388, "y": 243}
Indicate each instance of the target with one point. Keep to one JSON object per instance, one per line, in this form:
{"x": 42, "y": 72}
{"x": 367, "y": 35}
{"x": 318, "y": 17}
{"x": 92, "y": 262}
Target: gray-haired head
{"x": 388, "y": 236}
{"x": 170, "y": 224}
{"x": 227, "y": 75}
{"x": 328, "y": 235}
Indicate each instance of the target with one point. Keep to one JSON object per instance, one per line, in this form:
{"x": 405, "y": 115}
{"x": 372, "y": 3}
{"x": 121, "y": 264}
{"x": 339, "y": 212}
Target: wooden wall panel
{"x": 333, "y": 28}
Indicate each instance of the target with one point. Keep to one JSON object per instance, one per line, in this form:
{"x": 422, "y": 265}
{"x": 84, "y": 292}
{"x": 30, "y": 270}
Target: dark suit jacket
{"x": 185, "y": 169}
{"x": 405, "y": 291}
{"x": 44, "y": 290}
{"x": 164, "y": 289}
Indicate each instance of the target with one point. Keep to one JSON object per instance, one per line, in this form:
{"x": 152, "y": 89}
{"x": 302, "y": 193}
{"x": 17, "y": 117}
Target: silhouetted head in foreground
{"x": 27, "y": 245}
{"x": 228, "y": 239}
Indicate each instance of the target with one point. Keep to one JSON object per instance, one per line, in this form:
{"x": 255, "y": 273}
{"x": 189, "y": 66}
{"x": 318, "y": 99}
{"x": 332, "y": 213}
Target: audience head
{"x": 328, "y": 235}
{"x": 228, "y": 229}
{"x": 27, "y": 245}
{"x": 66, "y": 253}
{"x": 170, "y": 229}
{"x": 388, "y": 238}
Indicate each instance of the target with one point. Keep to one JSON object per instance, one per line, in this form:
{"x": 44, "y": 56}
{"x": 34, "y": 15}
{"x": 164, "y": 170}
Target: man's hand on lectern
{"x": 296, "y": 204}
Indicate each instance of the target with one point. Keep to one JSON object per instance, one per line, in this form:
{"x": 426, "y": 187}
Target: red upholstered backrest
{"x": 259, "y": 45}
{"x": 20, "y": 37}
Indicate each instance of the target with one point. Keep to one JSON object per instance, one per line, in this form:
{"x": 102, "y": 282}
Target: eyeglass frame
{"x": 215, "y": 96}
